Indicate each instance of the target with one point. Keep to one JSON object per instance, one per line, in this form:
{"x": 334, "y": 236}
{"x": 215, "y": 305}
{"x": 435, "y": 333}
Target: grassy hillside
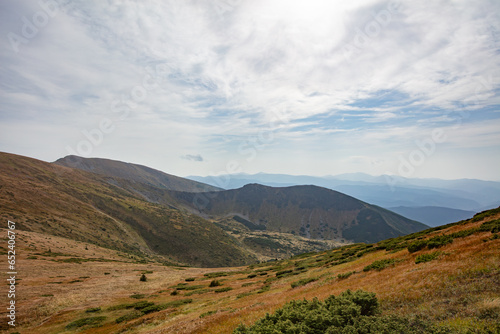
{"x": 308, "y": 211}
{"x": 446, "y": 278}
{"x": 71, "y": 203}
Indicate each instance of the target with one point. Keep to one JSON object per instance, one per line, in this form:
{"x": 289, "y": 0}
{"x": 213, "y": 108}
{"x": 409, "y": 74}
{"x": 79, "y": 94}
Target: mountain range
{"x": 412, "y": 197}
{"x": 309, "y": 211}
{"x": 143, "y": 211}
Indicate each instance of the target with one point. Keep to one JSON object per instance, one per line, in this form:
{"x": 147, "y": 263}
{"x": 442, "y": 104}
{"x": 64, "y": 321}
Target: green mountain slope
{"x": 308, "y": 211}
{"x": 75, "y": 204}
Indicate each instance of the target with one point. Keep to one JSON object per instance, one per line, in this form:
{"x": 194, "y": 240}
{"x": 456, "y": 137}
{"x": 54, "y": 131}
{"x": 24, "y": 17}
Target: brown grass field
{"x": 61, "y": 281}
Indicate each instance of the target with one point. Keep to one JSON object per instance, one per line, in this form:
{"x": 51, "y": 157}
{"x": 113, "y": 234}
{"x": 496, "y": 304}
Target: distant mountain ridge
{"x": 134, "y": 172}
{"x": 385, "y": 191}
{"x": 308, "y": 211}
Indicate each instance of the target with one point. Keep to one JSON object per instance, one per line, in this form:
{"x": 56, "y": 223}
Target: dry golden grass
{"x": 457, "y": 289}
{"x": 51, "y": 292}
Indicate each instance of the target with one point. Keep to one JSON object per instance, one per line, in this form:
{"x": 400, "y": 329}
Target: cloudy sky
{"x": 298, "y": 87}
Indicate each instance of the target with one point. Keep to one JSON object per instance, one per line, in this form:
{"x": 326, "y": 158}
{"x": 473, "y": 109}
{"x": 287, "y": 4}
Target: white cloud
{"x": 193, "y": 157}
{"x": 215, "y": 75}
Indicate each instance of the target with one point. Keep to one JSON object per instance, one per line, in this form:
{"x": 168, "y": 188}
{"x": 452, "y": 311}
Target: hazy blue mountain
{"x": 494, "y": 204}
{"x": 414, "y": 197}
{"x": 433, "y": 215}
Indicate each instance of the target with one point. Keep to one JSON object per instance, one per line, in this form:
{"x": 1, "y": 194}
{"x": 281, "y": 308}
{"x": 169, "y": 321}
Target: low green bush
{"x": 271, "y": 279}
{"x": 142, "y": 304}
{"x": 206, "y": 314}
{"x": 137, "y": 296}
{"x": 492, "y": 226}
{"x": 177, "y": 303}
{"x": 427, "y": 257}
{"x": 345, "y": 275}
{"x": 197, "y": 292}
{"x": 417, "y": 245}
{"x": 380, "y": 264}
{"x": 439, "y": 241}
{"x": 348, "y": 313}
{"x": 91, "y": 321}
{"x": 283, "y": 273}
{"x": 152, "y": 308}
{"x": 303, "y": 282}
{"x": 484, "y": 214}
{"x": 244, "y": 285}
{"x": 118, "y": 307}
{"x": 129, "y": 316}
{"x": 464, "y": 233}
{"x": 265, "y": 288}
{"x": 93, "y": 309}
{"x": 214, "y": 283}
{"x": 494, "y": 236}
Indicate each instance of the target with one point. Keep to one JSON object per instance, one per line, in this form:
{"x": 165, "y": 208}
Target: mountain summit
{"x": 134, "y": 172}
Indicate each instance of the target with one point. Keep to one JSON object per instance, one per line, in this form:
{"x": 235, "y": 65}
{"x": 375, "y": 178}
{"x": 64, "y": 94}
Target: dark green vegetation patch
{"x": 304, "y": 282}
{"x": 350, "y": 312}
{"x": 129, "y": 316}
{"x": 427, "y": 257}
{"x": 491, "y": 226}
{"x": 86, "y": 322}
{"x": 439, "y": 241}
{"x": 345, "y": 275}
{"x": 93, "y": 309}
{"x": 144, "y": 307}
{"x": 380, "y": 264}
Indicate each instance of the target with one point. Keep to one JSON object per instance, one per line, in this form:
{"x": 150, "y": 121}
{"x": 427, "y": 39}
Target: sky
{"x": 315, "y": 87}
